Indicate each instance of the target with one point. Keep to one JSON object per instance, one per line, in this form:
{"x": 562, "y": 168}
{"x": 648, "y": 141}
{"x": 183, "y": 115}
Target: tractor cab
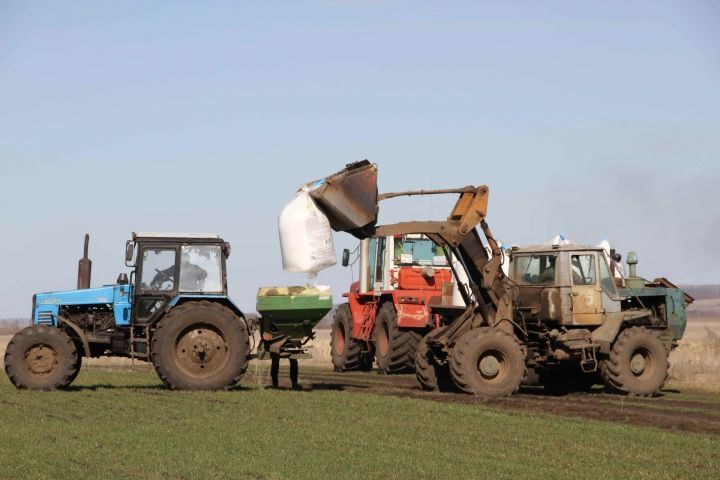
{"x": 565, "y": 284}
{"x": 405, "y": 262}
{"x": 170, "y": 266}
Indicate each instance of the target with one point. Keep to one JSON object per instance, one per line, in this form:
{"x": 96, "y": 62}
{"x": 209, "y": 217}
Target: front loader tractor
{"x": 388, "y": 308}
{"x": 173, "y": 310}
{"x": 557, "y": 318}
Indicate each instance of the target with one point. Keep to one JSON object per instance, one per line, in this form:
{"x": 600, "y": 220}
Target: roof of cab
{"x": 176, "y": 236}
{"x": 569, "y": 247}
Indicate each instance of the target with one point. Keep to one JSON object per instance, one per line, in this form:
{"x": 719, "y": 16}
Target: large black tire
{"x": 200, "y": 346}
{"x": 346, "y": 351}
{"x": 637, "y": 365}
{"x": 40, "y": 357}
{"x": 488, "y": 362}
{"x": 430, "y": 375}
{"x": 394, "y": 347}
{"x": 78, "y": 366}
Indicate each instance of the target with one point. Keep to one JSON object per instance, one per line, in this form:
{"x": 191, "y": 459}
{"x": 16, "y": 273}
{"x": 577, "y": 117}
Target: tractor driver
{"x": 192, "y": 277}
{"x": 548, "y": 274}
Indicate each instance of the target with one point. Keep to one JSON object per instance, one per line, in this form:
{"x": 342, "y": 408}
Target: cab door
{"x": 156, "y": 282}
{"x": 585, "y": 291}
{"x": 378, "y": 273}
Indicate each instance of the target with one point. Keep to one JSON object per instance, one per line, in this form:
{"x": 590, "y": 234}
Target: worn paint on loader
{"x": 558, "y": 319}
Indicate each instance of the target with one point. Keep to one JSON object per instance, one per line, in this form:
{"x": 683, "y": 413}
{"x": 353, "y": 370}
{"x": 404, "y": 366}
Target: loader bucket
{"x": 349, "y": 198}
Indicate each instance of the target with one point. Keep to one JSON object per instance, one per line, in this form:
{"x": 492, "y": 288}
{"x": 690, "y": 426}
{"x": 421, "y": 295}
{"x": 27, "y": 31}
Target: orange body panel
{"x": 412, "y": 298}
{"x": 411, "y": 278}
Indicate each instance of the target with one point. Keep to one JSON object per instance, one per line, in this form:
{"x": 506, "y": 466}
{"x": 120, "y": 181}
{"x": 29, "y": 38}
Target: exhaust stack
{"x": 84, "y": 267}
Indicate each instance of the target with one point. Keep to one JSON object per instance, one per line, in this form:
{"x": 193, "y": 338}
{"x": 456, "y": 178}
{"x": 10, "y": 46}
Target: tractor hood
{"x": 349, "y": 198}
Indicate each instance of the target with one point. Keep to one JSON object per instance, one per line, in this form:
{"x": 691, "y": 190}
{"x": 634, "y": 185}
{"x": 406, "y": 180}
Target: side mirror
{"x": 129, "y": 252}
{"x": 346, "y": 258}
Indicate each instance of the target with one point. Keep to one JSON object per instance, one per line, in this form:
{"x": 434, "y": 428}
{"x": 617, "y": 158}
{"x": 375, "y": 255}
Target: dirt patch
{"x": 673, "y": 410}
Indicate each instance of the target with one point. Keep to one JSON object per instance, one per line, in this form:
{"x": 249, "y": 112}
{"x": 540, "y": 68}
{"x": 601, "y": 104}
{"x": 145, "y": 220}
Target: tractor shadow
{"x": 334, "y": 387}
{"x": 149, "y": 388}
{"x": 109, "y": 386}
{"x": 595, "y": 391}
{"x": 319, "y": 387}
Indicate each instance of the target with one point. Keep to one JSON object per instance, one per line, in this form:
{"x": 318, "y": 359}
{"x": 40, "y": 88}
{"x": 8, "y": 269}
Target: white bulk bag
{"x": 305, "y": 236}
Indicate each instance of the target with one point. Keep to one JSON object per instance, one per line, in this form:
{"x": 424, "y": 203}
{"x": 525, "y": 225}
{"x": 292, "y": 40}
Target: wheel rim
{"x": 641, "y": 362}
{"x": 383, "y": 342}
{"x": 340, "y": 339}
{"x": 492, "y": 365}
{"x": 201, "y": 350}
{"x": 41, "y": 359}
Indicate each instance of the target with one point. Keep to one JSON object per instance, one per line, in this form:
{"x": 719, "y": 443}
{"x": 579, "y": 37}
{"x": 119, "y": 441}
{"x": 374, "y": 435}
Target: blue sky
{"x": 594, "y": 119}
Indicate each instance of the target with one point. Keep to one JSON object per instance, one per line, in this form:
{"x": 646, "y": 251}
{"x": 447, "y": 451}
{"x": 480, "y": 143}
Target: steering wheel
{"x": 167, "y": 277}
{"x": 158, "y": 283}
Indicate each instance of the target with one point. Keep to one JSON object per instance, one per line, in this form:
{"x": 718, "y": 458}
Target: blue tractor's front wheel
{"x": 41, "y": 357}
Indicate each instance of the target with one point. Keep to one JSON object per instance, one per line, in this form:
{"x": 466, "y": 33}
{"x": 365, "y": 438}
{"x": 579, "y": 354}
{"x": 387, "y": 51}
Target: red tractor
{"x": 388, "y": 309}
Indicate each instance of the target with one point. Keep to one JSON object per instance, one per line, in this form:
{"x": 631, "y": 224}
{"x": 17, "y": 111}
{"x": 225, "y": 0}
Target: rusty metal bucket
{"x": 349, "y": 198}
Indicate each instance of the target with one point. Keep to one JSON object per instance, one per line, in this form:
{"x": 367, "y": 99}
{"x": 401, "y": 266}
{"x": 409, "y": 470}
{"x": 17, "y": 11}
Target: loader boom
{"x": 349, "y": 194}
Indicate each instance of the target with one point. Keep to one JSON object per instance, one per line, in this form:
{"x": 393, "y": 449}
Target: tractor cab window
{"x": 534, "y": 269}
{"x": 378, "y": 274}
{"x": 583, "y": 269}
{"x": 412, "y": 250}
{"x": 607, "y": 282}
{"x": 201, "y": 269}
{"x": 158, "y": 269}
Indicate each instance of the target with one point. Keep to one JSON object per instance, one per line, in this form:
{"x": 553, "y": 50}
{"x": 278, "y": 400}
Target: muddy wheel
{"x": 78, "y": 366}
{"x": 395, "y": 347}
{"x": 430, "y": 375}
{"x": 41, "y": 358}
{"x": 637, "y": 365}
{"x": 346, "y": 352}
{"x": 488, "y": 362}
{"x": 200, "y": 346}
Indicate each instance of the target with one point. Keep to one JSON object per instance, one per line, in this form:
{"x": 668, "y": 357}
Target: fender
{"x": 606, "y": 333}
{"x": 222, "y": 299}
{"x": 78, "y": 331}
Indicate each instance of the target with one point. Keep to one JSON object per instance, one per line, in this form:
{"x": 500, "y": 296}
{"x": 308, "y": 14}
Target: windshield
{"x": 534, "y": 269}
{"x": 158, "y": 269}
{"x": 201, "y": 268}
{"x": 606, "y": 280}
{"x": 418, "y": 251}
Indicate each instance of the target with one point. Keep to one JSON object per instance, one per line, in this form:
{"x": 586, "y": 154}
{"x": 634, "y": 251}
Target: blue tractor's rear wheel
{"x": 200, "y": 346}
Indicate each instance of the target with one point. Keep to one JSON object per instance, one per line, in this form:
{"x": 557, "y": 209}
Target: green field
{"x": 125, "y": 425}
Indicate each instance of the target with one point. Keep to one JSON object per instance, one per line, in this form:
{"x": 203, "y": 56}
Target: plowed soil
{"x": 671, "y": 410}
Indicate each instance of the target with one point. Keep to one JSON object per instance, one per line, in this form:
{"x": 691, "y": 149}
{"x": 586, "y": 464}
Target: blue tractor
{"x": 173, "y": 311}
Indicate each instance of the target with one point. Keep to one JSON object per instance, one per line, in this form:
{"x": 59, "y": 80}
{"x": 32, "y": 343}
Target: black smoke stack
{"x": 84, "y": 267}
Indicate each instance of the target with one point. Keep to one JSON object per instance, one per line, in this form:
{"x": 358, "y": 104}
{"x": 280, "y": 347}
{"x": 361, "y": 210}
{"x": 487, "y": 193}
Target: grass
{"x": 697, "y": 363}
{"x": 124, "y": 425}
